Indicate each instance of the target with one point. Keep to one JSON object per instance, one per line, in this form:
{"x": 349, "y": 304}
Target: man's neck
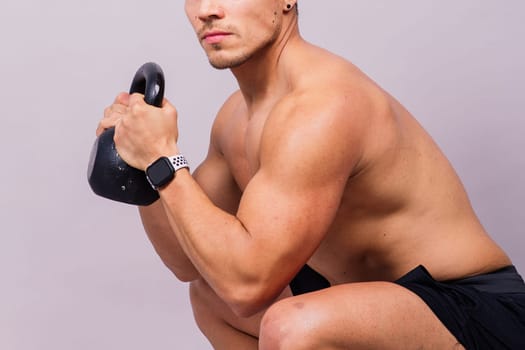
{"x": 266, "y": 75}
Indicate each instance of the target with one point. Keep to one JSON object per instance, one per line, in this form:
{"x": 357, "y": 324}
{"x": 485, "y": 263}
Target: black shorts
{"x": 483, "y": 312}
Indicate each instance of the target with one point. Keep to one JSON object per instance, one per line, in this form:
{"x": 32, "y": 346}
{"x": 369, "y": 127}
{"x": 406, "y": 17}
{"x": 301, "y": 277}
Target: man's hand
{"x": 114, "y": 113}
{"x": 143, "y": 133}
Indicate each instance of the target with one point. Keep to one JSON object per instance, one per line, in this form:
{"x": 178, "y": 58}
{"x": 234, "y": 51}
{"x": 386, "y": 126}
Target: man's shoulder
{"x": 333, "y": 83}
{"x": 337, "y": 100}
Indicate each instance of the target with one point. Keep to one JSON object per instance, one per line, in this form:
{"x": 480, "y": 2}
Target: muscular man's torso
{"x": 403, "y": 204}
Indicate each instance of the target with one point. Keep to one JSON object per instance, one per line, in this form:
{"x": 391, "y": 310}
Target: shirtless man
{"x": 317, "y": 179}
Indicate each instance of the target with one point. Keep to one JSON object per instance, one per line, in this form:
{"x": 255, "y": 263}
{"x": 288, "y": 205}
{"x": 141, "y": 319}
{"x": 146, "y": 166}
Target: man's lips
{"x": 214, "y": 37}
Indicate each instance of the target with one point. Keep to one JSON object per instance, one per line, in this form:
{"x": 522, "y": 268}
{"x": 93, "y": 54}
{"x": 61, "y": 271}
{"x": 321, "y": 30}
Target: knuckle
{"x": 137, "y": 109}
{"x": 107, "y": 122}
{"x": 112, "y": 112}
{"x": 170, "y": 109}
{"x": 170, "y": 112}
{"x": 102, "y": 125}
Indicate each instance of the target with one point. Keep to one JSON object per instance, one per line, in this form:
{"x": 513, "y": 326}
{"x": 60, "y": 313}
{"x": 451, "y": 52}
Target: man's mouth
{"x": 214, "y": 37}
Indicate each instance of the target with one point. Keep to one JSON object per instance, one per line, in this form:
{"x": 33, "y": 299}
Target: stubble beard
{"x": 242, "y": 57}
{"x": 228, "y": 62}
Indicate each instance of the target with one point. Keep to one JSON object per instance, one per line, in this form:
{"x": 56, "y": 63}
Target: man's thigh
{"x": 373, "y": 315}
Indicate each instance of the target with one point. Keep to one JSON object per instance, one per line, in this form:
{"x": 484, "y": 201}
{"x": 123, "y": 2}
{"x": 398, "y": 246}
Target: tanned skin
{"x": 309, "y": 162}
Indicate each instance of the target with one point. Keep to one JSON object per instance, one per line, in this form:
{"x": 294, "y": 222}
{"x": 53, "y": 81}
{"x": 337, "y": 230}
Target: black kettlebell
{"x": 108, "y": 175}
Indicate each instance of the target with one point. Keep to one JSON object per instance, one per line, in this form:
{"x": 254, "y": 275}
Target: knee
{"x": 290, "y": 325}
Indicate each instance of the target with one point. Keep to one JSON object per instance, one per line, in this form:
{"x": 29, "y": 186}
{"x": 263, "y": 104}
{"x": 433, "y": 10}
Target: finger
{"x": 115, "y": 109}
{"x": 114, "y": 113}
{"x": 122, "y": 98}
{"x": 136, "y": 98}
{"x": 107, "y": 123}
{"x": 100, "y": 129}
{"x": 137, "y": 106}
{"x": 168, "y": 107}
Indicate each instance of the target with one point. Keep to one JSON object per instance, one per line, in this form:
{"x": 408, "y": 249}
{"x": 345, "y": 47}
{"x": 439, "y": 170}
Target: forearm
{"x": 219, "y": 246}
{"x": 164, "y": 240}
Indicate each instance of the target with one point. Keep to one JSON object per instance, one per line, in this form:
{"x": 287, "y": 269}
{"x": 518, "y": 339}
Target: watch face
{"x": 160, "y": 173}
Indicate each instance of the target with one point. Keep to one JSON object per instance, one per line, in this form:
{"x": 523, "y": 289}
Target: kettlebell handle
{"x": 149, "y": 80}
{"x": 108, "y": 175}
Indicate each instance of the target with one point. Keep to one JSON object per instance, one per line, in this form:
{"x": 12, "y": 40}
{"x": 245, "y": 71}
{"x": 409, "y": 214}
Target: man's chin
{"x": 218, "y": 65}
{"x": 227, "y": 63}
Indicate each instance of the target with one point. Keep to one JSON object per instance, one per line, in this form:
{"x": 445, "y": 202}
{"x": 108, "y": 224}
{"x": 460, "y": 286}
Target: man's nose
{"x": 210, "y": 9}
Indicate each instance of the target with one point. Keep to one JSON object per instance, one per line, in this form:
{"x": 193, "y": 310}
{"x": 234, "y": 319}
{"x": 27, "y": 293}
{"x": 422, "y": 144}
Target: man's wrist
{"x": 162, "y": 171}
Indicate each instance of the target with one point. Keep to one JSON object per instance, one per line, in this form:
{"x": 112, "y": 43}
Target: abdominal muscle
{"x": 385, "y": 251}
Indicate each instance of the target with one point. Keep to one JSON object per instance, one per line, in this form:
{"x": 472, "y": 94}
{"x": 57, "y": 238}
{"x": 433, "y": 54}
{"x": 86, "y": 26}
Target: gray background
{"x": 77, "y": 272}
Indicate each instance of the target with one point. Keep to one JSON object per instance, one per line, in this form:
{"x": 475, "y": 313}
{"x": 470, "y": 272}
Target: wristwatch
{"x": 162, "y": 171}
